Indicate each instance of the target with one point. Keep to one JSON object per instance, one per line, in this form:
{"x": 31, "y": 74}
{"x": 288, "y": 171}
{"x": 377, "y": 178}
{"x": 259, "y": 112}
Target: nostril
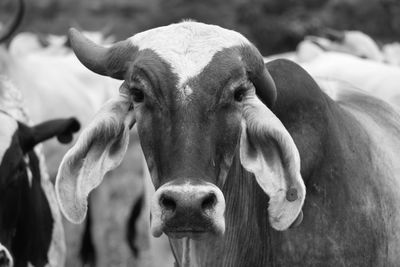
{"x": 168, "y": 203}
{"x": 209, "y": 201}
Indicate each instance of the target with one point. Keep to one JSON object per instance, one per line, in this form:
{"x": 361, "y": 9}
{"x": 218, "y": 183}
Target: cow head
{"x": 200, "y": 95}
{"x": 20, "y": 188}
{"x": 350, "y": 42}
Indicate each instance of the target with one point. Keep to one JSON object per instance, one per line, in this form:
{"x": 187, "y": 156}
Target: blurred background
{"x": 273, "y": 25}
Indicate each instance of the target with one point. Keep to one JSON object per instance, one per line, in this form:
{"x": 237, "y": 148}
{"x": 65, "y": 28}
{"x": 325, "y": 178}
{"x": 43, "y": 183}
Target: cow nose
{"x": 5, "y": 261}
{"x": 177, "y": 202}
{"x": 188, "y": 209}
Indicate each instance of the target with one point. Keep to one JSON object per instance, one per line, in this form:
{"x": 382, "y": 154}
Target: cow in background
{"x": 378, "y": 79}
{"x": 58, "y": 85}
{"x": 30, "y": 223}
{"x": 331, "y": 64}
{"x": 391, "y": 53}
{"x": 358, "y": 44}
{"x": 354, "y": 43}
{"x": 25, "y": 43}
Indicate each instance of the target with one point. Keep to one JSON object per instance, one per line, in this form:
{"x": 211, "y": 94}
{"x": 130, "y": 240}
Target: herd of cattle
{"x": 286, "y": 160}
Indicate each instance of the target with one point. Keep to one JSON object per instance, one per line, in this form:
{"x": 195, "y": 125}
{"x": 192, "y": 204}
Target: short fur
{"x": 348, "y": 162}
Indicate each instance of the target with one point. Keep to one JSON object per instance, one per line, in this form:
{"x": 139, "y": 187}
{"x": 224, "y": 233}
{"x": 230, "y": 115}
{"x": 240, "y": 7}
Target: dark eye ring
{"x": 138, "y": 95}
{"x": 239, "y": 94}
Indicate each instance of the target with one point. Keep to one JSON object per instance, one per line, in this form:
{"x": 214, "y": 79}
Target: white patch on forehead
{"x": 188, "y": 46}
{"x": 7, "y": 130}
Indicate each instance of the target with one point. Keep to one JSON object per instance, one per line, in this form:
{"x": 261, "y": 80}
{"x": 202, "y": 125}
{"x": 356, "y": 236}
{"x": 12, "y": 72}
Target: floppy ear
{"x": 268, "y": 151}
{"x": 99, "y": 149}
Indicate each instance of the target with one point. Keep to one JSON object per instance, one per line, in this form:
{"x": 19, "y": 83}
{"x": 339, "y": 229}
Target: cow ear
{"x": 99, "y": 149}
{"x": 268, "y": 151}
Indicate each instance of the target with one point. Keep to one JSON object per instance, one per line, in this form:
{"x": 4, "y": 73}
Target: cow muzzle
{"x": 188, "y": 210}
{"x": 5, "y": 257}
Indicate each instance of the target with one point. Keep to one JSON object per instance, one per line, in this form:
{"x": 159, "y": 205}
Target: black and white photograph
{"x": 199, "y": 133}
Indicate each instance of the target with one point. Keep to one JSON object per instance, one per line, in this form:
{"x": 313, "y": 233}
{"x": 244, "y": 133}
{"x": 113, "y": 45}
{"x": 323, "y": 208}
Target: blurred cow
{"x": 378, "y": 79}
{"x": 354, "y": 43}
{"x": 26, "y": 43}
{"x": 358, "y": 44}
{"x": 30, "y": 223}
{"x": 391, "y": 53}
{"x": 58, "y": 86}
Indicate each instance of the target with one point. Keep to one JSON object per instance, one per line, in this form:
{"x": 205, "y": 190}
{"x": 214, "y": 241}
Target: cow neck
{"x": 246, "y": 241}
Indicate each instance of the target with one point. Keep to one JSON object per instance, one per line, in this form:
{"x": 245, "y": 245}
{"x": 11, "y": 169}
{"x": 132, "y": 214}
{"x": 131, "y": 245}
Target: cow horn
{"x": 92, "y": 55}
{"x": 259, "y": 75}
{"x": 107, "y": 61}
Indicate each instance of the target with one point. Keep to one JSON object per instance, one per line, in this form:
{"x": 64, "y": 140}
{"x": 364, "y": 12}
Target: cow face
{"x": 193, "y": 91}
{"x": 189, "y": 131}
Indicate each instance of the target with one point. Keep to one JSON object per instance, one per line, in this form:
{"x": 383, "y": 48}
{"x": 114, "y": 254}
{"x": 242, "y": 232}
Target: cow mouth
{"x": 195, "y": 234}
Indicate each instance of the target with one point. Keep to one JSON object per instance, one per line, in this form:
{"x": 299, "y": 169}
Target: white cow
{"x": 354, "y": 43}
{"x": 331, "y": 61}
{"x": 49, "y": 44}
{"x": 378, "y": 79}
{"x": 391, "y": 53}
{"x": 358, "y": 44}
{"x": 56, "y": 85}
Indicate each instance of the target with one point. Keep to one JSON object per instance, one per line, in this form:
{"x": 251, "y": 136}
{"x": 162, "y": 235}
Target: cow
{"x": 25, "y": 43}
{"x": 354, "y": 43}
{"x": 378, "y": 79}
{"x": 56, "y": 85}
{"x": 391, "y": 52}
{"x": 30, "y": 223}
{"x": 79, "y": 92}
{"x": 232, "y": 144}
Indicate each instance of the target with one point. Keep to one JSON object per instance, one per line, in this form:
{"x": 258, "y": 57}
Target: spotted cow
{"x": 30, "y": 223}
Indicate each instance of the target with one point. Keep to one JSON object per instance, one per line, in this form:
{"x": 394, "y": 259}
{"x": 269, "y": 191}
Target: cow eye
{"x": 138, "y": 95}
{"x": 239, "y": 94}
